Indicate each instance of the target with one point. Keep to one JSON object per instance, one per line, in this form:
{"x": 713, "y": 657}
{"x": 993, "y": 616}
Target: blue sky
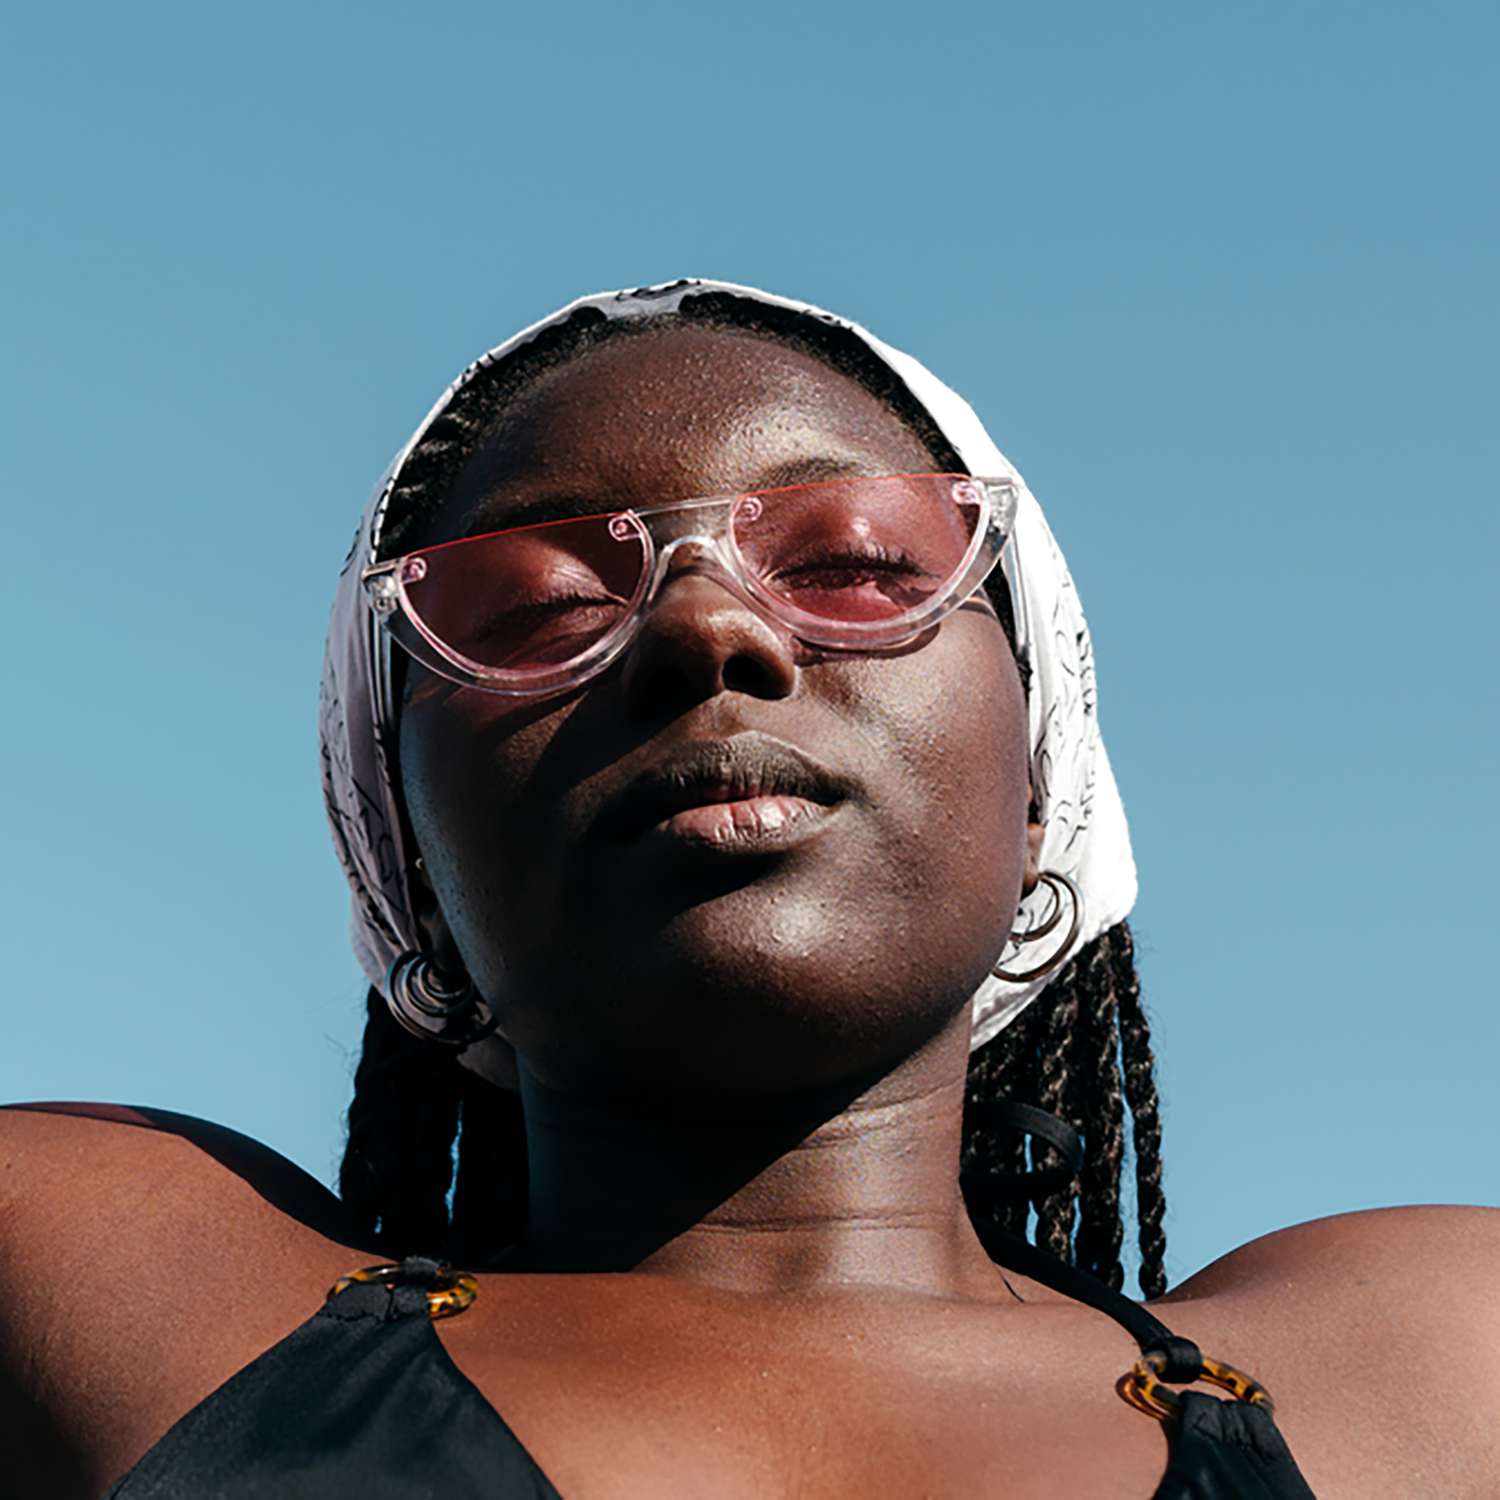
{"x": 1220, "y": 280}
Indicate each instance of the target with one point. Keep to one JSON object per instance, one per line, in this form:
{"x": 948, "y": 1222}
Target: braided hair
{"x": 1082, "y": 1052}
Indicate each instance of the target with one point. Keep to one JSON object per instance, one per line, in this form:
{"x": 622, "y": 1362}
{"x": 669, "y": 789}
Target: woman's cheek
{"x": 954, "y": 717}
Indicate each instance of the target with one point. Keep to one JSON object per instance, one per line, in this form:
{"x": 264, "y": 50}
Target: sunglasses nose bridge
{"x": 696, "y": 525}
{"x": 684, "y": 519}
{"x": 695, "y": 552}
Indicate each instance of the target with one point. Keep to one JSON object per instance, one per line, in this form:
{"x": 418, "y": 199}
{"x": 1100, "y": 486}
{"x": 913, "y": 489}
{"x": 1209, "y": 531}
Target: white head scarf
{"x": 1085, "y": 836}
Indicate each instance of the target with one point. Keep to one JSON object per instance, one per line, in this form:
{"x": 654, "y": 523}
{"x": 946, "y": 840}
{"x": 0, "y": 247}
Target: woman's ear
{"x": 437, "y": 940}
{"x": 492, "y": 1058}
{"x": 1034, "y": 833}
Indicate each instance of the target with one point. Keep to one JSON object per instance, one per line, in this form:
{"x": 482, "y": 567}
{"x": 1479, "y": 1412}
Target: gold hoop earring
{"x": 1057, "y": 883}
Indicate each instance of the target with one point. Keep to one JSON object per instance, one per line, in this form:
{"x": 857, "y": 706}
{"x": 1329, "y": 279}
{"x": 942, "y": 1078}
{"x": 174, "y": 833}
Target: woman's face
{"x": 624, "y": 956}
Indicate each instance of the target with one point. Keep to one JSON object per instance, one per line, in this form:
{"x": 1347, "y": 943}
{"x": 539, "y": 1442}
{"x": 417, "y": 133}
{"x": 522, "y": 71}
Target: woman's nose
{"x": 699, "y": 640}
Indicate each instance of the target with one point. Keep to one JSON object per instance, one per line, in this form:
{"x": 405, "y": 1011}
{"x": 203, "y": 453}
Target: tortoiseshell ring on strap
{"x": 451, "y": 1292}
{"x": 1142, "y": 1386}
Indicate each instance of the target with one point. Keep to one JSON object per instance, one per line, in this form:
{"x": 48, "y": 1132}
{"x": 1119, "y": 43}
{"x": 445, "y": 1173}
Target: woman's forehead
{"x": 686, "y": 411}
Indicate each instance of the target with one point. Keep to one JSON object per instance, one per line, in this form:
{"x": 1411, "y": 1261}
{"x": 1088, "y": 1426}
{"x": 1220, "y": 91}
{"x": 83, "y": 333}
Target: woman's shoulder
{"x": 1377, "y": 1332}
{"x": 136, "y": 1239}
{"x": 1419, "y": 1254}
{"x": 1405, "y": 1286}
{"x": 92, "y": 1162}
{"x": 98, "y": 1197}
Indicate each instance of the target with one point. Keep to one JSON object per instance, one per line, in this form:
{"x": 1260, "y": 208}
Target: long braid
{"x": 1140, "y": 1090}
{"x": 1064, "y": 1054}
{"x": 1054, "y": 1214}
{"x": 1100, "y": 1231}
{"x": 489, "y": 1202}
{"x": 398, "y": 1162}
{"x": 1004, "y": 1083}
{"x": 989, "y": 1149}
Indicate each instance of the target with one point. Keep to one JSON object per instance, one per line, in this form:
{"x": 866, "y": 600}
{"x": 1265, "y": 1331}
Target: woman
{"x": 709, "y": 739}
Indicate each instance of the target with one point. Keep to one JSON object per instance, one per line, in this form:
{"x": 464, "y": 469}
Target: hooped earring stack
{"x": 432, "y": 1009}
{"x": 1025, "y": 1119}
{"x": 456, "y": 1015}
{"x": 1060, "y": 886}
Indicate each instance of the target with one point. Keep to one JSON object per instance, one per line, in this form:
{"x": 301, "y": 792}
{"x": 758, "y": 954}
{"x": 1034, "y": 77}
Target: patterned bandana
{"x": 1085, "y": 834}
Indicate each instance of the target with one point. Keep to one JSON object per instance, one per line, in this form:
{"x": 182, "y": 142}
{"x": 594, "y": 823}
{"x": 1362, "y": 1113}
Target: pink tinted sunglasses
{"x": 849, "y": 564}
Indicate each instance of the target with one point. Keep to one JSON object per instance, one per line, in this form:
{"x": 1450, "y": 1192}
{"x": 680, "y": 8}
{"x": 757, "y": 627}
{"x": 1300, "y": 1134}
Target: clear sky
{"x": 1221, "y": 280}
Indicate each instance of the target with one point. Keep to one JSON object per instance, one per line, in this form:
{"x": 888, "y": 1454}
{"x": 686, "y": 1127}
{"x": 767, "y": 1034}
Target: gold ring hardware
{"x": 453, "y": 1292}
{"x": 1142, "y": 1386}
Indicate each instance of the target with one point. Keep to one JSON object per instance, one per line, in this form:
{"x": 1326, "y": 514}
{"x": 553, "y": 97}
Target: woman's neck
{"x": 849, "y": 1187}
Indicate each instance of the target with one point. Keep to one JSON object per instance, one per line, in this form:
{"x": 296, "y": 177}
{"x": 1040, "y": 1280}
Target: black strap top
{"x": 362, "y": 1401}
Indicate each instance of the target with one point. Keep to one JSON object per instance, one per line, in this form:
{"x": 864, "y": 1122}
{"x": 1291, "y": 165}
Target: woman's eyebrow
{"x": 809, "y": 470}
{"x": 495, "y": 513}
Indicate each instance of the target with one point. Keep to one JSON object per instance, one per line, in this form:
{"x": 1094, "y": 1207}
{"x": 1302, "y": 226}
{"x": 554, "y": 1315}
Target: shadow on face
{"x": 639, "y": 963}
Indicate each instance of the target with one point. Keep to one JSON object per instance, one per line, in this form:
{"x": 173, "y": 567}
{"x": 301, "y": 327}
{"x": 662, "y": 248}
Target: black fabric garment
{"x": 1221, "y": 1450}
{"x": 362, "y": 1402}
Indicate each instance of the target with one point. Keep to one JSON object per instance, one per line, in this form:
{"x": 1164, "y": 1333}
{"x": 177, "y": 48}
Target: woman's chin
{"x": 715, "y": 1040}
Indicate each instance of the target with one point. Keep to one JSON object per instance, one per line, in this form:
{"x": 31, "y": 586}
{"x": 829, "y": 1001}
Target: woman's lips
{"x": 762, "y": 823}
{"x": 747, "y": 792}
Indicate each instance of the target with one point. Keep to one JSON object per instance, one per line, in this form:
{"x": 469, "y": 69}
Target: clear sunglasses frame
{"x": 709, "y": 540}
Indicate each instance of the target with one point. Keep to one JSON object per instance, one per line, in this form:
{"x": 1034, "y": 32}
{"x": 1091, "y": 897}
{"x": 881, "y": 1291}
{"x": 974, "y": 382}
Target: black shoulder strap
{"x": 1184, "y": 1360}
{"x": 1024, "y": 1119}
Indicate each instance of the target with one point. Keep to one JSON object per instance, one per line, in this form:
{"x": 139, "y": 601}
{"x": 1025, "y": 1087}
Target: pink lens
{"x": 859, "y": 550}
{"x": 529, "y": 598}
